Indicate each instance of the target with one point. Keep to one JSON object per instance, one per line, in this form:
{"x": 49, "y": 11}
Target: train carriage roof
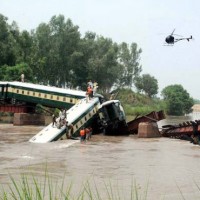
{"x": 46, "y": 88}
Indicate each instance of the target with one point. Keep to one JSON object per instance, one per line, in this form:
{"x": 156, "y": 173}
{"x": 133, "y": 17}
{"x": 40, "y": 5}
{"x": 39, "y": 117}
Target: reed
{"x": 29, "y": 187}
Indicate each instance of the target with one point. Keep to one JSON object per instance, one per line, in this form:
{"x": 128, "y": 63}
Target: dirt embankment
{"x": 196, "y": 108}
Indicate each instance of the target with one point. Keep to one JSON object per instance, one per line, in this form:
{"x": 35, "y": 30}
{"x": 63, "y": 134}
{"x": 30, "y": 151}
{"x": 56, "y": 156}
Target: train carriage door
{"x": 1, "y": 91}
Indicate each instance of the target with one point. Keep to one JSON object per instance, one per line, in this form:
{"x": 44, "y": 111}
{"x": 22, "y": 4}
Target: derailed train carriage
{"x": 109, "y": 117}
{"x": 18, "y": 92}
{"x": 112, "y": 118}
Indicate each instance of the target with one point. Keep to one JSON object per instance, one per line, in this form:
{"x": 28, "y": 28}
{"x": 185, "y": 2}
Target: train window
{"x": 81, "y": 122}
{"x": 51, "y": 96}
{"x": 90, "y": 114}
{"x": 71, "y": 100}
{"x": 17, "y": 91}
{"x": 85, "y": 118}
{"x": 64, "y": 99}
{"x": 57, "y": 97}
{"x": 22, "y": 91}
{"x": 77, "y": 126}
{"x": 93, "y": 111}
{"x": 45, "y": 96}
{"x": 27, "y": 93}
{"x": 39, "y": 95}
{"x": 33, "y": 93}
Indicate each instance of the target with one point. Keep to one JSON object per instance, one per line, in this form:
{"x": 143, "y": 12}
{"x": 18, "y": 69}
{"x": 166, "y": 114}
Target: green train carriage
{"x": 3, "y": 91}
{"x": 45, "y": 95}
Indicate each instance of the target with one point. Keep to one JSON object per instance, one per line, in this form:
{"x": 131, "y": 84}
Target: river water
{"x": 164, "y": 168}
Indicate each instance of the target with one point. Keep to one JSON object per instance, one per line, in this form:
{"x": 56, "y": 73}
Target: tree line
{"x": 56, "y": 54}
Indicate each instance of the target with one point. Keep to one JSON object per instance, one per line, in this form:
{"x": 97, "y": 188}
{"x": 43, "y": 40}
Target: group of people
{"x": 63, "y": 118}
{"x": 91, "y": 89}
{"x": 62, "y": 121}
{"x": 85, "y": 134}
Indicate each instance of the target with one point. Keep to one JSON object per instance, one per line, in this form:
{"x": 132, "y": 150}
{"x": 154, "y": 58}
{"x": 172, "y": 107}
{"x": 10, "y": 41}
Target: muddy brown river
{"x": 165, "y": 168}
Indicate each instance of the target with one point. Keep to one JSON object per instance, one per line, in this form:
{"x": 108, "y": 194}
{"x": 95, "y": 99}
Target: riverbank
{"x": 196, "y": 108}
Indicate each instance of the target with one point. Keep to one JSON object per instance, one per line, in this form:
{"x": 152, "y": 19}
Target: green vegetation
{"x": 177, "y": 99}
{"x": 13, "y": 73}
{"x": 148, "y": 84}
{"x": 56, "y": 54}
{"x": 138, "y": 104}
{"x": 32, "y": 188}
{"x": 196, "y": 101}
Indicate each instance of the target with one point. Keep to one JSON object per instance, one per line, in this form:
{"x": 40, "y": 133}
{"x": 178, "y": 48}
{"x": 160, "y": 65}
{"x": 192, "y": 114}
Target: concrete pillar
{"x": 148, "y": 130}
{"x": 28, "y": 119}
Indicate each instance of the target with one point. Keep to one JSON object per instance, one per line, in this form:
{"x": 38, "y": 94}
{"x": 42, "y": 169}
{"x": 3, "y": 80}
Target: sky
{"x": 145, "y": 22}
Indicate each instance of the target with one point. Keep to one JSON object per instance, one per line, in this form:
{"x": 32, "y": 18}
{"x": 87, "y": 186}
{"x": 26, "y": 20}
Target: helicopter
{"x": 170, "y": 39}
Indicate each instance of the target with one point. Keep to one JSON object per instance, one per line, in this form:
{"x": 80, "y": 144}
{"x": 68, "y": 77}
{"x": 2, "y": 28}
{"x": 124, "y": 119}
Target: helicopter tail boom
{"x": 190, "y": 38}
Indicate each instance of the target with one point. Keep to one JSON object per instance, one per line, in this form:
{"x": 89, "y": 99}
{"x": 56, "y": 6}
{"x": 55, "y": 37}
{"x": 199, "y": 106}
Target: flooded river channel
{"x": 165, "y": 168}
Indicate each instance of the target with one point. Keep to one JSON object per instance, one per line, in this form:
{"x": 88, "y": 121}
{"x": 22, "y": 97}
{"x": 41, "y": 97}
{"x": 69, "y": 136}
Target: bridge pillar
{"x": 148, "y": 130}
{"x": 28, "y": 119}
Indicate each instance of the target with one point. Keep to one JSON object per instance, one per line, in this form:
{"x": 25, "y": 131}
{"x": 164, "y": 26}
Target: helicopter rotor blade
{"x": 172, "y": 32}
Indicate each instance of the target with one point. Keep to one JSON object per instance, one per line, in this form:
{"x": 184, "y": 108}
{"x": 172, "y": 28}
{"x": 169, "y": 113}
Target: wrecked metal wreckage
{"x": 189, "y": 130}
{"x": 133, "y": 125}
{"x": 151, "y": 117}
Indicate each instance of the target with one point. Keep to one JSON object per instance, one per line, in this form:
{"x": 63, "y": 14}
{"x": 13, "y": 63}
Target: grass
{"x": 139, "y": 104}
{"x": 28, "y": 187}
{"x": 137, "y": 110}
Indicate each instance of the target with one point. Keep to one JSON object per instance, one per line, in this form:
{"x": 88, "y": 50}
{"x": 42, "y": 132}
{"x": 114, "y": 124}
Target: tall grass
{"x": 138, "y": 104}
{"x": 137, "y": 110}
{"x": 28, "y": 187}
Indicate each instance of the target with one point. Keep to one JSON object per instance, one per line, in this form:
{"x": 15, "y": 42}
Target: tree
{"x": 13, "y": 73}
{"x": 7, "y": 44}
{"x": 103, "y": 65}
{"x": 148, "y": 84}
{"x": 26, "y": 44}
{"x": 58, "y": 55}
{"x": 55, "y": 44}
{"x": 79, "y": 73}
{"x": 129, "y": 58}
{"x": 178, "y": 100}
{"x": 65, "y": 38}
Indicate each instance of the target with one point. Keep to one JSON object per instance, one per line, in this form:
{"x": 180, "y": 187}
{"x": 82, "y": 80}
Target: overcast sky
{"x": 145, "y": 22}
